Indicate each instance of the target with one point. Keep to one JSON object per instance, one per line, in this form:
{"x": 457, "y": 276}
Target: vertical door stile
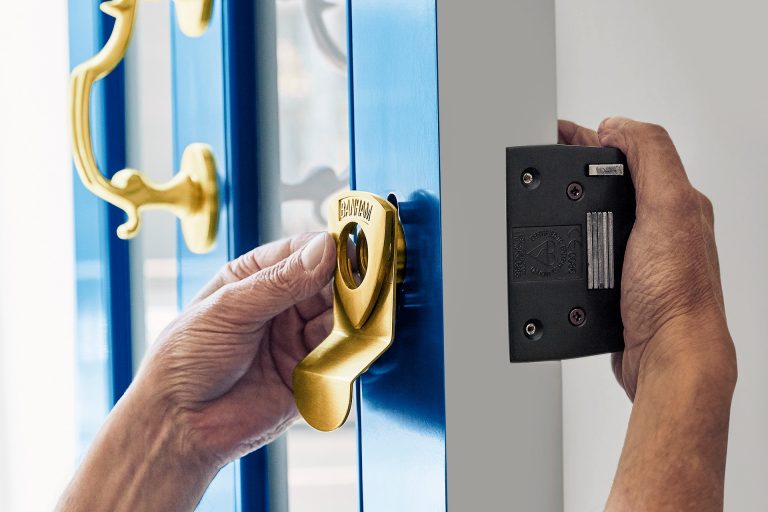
{"x": 225, "y": 95}
{"x": 199, "y": 116}
{"x": 118, "y": 253}
{"x": 252, "y": 151}
{"x": 395, "y": 136}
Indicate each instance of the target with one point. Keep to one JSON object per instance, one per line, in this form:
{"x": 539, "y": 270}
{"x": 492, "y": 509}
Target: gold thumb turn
{"x": 363, "y": 307}
{"x": 192, "y": 194}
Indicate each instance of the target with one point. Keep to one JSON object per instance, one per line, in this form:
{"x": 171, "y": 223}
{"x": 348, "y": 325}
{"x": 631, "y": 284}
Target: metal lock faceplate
{"x": 364, "y": 312}
{"x": 570, "y": 210}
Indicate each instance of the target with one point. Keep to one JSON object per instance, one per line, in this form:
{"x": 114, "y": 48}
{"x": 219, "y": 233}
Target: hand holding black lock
{"x": 668, "y": 280}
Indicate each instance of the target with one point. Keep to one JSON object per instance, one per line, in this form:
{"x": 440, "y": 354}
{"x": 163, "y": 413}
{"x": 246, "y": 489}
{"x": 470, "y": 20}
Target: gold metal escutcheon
{"x": 363, "y": 312}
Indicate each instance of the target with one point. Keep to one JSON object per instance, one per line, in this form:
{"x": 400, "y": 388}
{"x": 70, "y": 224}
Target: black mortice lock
{"x": 570, "y": 210}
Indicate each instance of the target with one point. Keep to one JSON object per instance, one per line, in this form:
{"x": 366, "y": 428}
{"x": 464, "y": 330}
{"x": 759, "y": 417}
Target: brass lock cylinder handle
{"x": 363, "y": 307}
{"x": 192, "y": 194}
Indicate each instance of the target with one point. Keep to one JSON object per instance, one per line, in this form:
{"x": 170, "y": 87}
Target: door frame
{"x": 439, "y": 89}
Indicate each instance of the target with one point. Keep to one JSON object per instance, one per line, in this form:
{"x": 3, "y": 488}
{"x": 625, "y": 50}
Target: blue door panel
{"x": 103, "y": 302}
{"x": 395, "y": 136}
{"x": 215, "y": 101}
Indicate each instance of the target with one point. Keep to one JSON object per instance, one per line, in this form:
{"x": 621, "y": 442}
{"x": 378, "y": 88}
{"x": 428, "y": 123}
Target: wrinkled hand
{"x": 215, "y": 386}
{"x": 671, "y": 297}
{"x": 222, "y": 370}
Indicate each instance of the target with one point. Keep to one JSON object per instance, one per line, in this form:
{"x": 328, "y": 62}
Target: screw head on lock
{"x": 575, "y": 191}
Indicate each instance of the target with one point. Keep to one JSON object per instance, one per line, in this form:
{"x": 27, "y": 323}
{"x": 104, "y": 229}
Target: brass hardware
{"x": 363, "y": 312}
{"x": 193, "y": 16}
{"x": 192, "y": 194}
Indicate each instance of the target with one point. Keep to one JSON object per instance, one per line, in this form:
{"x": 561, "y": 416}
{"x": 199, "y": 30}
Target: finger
{"x": 317, "y": 330}
{"x": 317, "y": 304}
{"x": 575, "y": 135}
{"x": 260, "y": 297}
{"x": 252, "y": 262}
{"x": 654, "y": 164}
{"x": 290, "y": 326}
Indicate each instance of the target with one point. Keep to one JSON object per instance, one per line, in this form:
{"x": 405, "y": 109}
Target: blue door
{"x": 220, "y": 97}
{"x": 437, "y": 90}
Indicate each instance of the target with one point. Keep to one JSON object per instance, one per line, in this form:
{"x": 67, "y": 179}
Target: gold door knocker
{"x": 192, "y": 194}
{"x": 363, "y": 307}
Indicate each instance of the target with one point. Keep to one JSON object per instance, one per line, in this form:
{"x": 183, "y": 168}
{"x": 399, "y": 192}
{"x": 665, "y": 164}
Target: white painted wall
{"x": 37, "y": 429}
{"x": 701, "y": 70}
{"x": 503, "y": 421}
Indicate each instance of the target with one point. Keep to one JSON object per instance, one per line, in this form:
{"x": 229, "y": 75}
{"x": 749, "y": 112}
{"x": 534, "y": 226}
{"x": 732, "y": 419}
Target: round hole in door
{"x": 353, "y": 255}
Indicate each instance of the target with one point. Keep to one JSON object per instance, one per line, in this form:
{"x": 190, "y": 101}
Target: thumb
{"x": 270, "y": 291}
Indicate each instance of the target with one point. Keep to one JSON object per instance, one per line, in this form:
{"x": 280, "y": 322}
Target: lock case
{"x": 570, "y": 210}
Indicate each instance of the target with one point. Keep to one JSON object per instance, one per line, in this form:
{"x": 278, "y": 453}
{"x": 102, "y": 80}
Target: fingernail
{"x": 312, "y": 253}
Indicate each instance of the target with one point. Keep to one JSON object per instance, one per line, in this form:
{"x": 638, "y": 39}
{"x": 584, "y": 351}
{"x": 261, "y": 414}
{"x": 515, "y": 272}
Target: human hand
{"x": 216, "y": 385}
{"x": 223, "y": 368}
{"x": 671, "y": 297}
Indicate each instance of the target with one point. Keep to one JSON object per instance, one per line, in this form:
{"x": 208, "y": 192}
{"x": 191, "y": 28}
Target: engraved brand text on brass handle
{"x": 192, "y": 194}
{"x": 363, "y": 312}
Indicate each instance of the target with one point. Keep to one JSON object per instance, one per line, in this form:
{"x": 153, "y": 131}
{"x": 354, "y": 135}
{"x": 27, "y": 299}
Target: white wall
{"x": 503, "y": 433}
{"x": 701, "y": 70}
{"x": 36, "y": 259}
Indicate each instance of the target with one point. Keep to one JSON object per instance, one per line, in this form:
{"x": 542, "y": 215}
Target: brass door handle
{"x": 363, "y": 312}
{"x": 192, "y": 194}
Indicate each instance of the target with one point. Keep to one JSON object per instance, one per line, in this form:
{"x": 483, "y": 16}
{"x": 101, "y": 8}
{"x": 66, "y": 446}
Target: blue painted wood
{"x": 216, "y": 101}
{"x": 395, "y": 140}
{"x": 103, "y": 303}
{"x": 118, "y": 260}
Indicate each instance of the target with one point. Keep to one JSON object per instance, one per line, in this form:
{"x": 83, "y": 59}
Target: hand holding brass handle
{"x": 192, "y": 194}
{"x": 363, "y": 312}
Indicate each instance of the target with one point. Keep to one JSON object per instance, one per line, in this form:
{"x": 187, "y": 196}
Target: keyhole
{"x": 353, "y": 255}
